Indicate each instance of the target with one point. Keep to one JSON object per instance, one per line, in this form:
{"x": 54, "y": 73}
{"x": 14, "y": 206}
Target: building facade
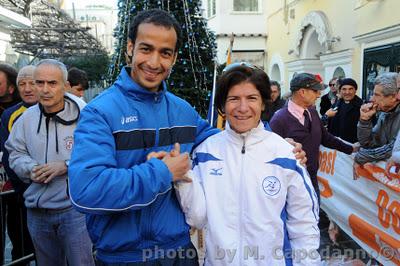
{"x": 101, "y": 21}
{"x": 342, "y": 38}
{"x": 246, "y": 20}
{"x": 9, "y": 20}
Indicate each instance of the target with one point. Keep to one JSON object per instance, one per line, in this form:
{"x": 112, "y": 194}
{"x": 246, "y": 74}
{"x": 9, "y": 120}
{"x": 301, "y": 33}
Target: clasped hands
{"x": 178, "y": 163}
{"x": 44, "y": 173}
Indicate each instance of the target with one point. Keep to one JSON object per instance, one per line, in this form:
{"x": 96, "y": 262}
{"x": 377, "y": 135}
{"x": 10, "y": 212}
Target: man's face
{"x": 274, "y": 93}
{"x": 5, "y": 90}
{"x": 27, "y": 90}
{"x": 347, "y": 92}
{"x": 384, "y": 103}
{"x": 153, "y": 55}
{"x": 243, "y": 107}
{"x": 50, "y": 87}
{"x": 77, "y": 90}
{"x": 310, "y": 96}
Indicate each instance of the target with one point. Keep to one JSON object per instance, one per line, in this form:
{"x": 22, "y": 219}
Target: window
{"x": 339, "y": 73}
{"x": 211, "y": 8}
{"x": 378, "y": 60}
{"x": 245, "y": 5}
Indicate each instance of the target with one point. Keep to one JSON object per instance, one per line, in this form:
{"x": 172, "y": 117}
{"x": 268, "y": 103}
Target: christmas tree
{"x": 192, "y": 75}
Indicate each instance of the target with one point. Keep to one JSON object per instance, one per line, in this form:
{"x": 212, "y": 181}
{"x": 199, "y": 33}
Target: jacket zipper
{"x": 47, "y": 148}
{"x": 147, "y": 212}
{"x": 243, "y": 151}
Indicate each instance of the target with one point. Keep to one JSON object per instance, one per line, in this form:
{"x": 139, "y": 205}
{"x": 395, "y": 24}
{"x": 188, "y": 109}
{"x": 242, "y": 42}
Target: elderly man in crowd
{"x": 377, "y": 140}
{"x": 299, "y": 120}
{"x": 342, "y": 120}
{"x": 40, "y": 145}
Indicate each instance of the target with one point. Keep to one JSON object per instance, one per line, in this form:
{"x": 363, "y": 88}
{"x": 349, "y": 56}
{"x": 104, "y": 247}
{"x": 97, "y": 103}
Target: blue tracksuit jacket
{"x": 130, "y": 203}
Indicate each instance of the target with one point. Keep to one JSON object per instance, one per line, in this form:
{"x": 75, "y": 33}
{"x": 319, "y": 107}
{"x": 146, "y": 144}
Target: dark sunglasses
{"x": 330, "y": 84}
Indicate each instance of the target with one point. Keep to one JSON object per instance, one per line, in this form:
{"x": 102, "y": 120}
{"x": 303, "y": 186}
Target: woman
{"x": 247, "y": 189}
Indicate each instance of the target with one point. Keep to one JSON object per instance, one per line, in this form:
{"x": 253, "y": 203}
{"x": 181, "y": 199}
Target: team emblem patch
{"x": 69, "y": 142}
{"x": 271, "y": 185}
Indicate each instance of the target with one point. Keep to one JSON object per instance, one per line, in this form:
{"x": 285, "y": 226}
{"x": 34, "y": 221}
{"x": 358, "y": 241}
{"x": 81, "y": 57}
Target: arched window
{"x": 339, "y": 73}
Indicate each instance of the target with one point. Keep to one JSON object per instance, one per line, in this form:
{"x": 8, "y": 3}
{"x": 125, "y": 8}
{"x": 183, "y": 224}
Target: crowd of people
{"x": 127, "y": 174}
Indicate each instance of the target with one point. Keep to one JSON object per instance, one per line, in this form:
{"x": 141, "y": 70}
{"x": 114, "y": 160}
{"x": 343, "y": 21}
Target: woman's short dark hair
{"x": 157, "y": 17}
{"x": 240, "y": 74}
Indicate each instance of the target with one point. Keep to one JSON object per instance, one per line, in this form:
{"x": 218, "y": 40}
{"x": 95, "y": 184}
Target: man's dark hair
{"x": 157, "y": 17}
{"x": 77, "y": 76}
{"x": 276, "y": 83}
{"x": 240, "y": 74}
{"x": 11, "y": 74}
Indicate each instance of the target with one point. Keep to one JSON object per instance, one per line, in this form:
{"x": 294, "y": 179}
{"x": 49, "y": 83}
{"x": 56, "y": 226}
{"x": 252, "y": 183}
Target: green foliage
{"x": 96, "y": 66}
{"x": 192, "y": 75}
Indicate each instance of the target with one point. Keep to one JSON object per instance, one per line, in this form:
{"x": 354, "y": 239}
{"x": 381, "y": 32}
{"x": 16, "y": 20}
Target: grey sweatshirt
{"x": 38, "y": 139}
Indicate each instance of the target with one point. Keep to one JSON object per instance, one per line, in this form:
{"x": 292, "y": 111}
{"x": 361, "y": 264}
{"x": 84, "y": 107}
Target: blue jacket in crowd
{"x": 131, "y": 206}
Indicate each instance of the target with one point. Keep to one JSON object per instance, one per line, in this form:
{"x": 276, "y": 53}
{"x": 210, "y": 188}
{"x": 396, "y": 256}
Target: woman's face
{"x": 243, "y": 107}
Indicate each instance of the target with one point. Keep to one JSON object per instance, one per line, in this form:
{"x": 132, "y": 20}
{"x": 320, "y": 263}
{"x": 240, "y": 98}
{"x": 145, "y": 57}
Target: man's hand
{"x": 158, "y": 155}
{"x": 298, "y": 151}
{"x": 331, "y": 113}
{"x": 356, "y": 147}
{"x": 44, "y": 173}
{"x": 178, "y": 164}
{"x": 355, "y": 170}
{"x": 367, "y": 110}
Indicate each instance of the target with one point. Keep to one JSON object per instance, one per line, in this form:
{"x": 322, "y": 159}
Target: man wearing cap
{"x": 16, "y": 218}
{"x": 299, "y": 120}
{"x": 342, "y": 120}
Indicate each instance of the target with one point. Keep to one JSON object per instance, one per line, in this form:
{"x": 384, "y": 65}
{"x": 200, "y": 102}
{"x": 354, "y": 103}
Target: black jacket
{"x": 344, "y": 123}
{"x": 271, "y": 108}
{"x": 325, "y": 104}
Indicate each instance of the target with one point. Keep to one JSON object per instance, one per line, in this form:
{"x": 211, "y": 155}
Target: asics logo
{"x": 129, "y": 119}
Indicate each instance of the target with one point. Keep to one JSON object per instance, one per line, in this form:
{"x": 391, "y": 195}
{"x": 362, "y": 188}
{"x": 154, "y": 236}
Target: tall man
{"x": 299, "y": 120}
{"x": 40, "y": 145}
{"x": 16, "y": 211}
{"x": 132, "y": 211}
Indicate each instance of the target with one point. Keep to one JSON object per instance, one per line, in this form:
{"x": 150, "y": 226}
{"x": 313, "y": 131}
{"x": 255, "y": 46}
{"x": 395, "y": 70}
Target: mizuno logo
{"x": 129, "y": 119}
{"x": 216, "y": 171}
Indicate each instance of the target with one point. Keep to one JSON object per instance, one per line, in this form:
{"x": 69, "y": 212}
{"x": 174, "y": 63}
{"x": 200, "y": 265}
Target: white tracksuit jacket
{"x": 256, "y": 202}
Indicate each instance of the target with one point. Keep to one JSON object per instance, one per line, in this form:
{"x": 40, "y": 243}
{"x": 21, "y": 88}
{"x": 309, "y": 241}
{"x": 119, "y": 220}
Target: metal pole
{"x": 213, "y": 93}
